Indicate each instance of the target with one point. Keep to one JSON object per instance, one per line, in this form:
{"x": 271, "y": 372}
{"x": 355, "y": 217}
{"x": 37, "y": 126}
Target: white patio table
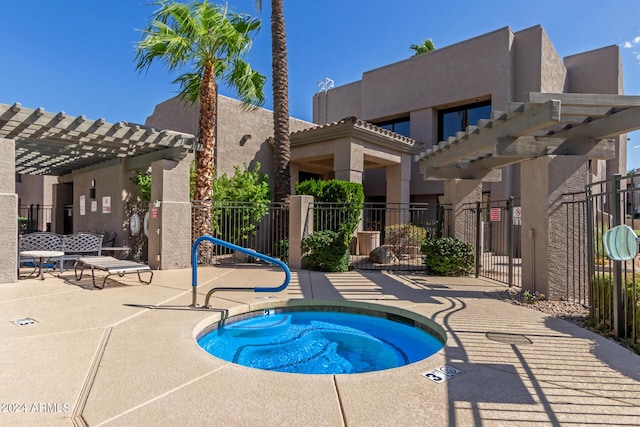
{"x": 41, "y": 257}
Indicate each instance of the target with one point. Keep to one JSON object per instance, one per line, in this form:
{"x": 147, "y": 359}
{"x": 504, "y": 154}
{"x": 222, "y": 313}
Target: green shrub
{"x": 282, "y": 250}
{"x": 339, "y": 202}
{"x": 403, "y": 238}
{"x": 239, "y": 203}
{"x": 602, "y": 303}
{"x": 143, "y": 181}
{"x": 448, "y": 257}
{"x": 325, "y": 251}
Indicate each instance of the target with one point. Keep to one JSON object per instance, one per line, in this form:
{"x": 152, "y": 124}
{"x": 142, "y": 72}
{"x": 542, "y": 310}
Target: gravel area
{"x": 567, "y": 310}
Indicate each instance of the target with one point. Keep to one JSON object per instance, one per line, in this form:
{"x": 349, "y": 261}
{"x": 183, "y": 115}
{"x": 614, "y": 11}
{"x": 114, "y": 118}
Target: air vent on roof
{"x": 325, "y": 85}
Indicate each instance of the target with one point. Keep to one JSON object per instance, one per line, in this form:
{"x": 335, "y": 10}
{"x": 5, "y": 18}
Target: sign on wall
{"x": 517, "y": 215}
{"x": 494, "y": 214}
{"x": 82, "y": 204}
{"x": 106, "y": 204}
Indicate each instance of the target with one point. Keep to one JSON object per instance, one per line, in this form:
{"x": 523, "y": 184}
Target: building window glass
{"x": 457, "y": 119}
{"x": 400, "y": 126}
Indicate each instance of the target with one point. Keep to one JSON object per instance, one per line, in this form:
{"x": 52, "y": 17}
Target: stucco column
{"x": 348, "y": 160}
{"x": 9, "y": 209}
{"x": 170, "y": 222}
{"x": 300, "y": 225}
{"x": 398, "y": 191}
{"x": 544, "y": 221}
{"x": 295, "y": 176}
{"x": 458, "y": 194}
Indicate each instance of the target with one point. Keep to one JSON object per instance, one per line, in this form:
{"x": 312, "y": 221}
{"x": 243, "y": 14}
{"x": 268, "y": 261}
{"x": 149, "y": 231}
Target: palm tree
{"x": 210, "y": 41}
{"x": 424, "y": 47}
{"x": 280, "y": 82}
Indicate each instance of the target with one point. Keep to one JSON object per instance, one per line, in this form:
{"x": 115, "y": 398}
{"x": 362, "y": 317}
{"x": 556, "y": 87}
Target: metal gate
{"x": 493, "y": 227}
{"x": 614, "y": 287}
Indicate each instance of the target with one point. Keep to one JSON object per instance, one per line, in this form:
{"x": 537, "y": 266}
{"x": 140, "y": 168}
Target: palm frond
{"x": 248, "y": 83}
{"x": 198, "y": 35}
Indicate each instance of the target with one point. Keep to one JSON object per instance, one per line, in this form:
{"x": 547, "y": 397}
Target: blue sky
{"x": 77, "y": 56}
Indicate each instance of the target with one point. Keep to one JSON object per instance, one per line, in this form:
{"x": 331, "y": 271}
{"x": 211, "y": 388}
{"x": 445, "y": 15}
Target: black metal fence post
{"x": 478, "y": 238}
{"x": 510, "y": 238}
{"x": 618, "y": 219}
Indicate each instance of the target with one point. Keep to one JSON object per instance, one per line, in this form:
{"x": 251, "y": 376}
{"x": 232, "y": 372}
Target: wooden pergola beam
{"x": 55, "y": 143}
{"x": 538, "y": 117}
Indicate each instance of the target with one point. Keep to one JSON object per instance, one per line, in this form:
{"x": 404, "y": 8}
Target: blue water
{"x": 319, "y": 342}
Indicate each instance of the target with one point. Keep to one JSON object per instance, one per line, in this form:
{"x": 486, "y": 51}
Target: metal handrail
{"x": 194, "y": 270}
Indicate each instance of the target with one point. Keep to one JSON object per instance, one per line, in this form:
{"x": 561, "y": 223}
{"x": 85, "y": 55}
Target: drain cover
{"x": 23, "y": 322}
{"x": 443, "y": 373}
{"x": 514, "y": 339}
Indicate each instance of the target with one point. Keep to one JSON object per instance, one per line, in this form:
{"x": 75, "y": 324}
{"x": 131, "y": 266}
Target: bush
{"x": 325, "y": 251}
{"x": 339, "y": 202}
{"x": 602, "y": 305}
{"x": 143, "y": 181}
{"x": 403, "y": 238}
{"x": 448, "y": 257}
{"x": 239, "y": 203}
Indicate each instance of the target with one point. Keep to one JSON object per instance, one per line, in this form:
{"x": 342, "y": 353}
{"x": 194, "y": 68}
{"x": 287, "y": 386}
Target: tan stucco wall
{"x": 503, "y": 65}
{"x": 232, "y": 147}
{"x": 111, "y": 181}
{"x": 600, "y": 71}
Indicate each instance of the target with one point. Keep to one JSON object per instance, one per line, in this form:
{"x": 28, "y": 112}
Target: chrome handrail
{"x": 194, "y": 270}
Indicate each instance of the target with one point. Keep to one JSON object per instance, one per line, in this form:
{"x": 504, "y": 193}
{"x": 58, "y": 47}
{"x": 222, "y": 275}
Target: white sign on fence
{"x": 517, "y": 215}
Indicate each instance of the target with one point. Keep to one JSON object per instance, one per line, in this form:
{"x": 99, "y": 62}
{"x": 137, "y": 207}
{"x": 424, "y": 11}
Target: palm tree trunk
{"x": 205, "y": 158}
{"x": 280, "y": 102}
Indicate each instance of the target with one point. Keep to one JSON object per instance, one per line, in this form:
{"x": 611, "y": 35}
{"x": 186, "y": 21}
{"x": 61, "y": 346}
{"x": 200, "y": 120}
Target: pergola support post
{"x": 461, "y": 194}
{"x": 170, "y": 218}
{"x": 9, "y": 207}
{"x": 544, "y": 221}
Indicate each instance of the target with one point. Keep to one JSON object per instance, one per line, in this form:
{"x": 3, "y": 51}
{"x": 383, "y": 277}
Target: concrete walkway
{"x": 126, "y": 356}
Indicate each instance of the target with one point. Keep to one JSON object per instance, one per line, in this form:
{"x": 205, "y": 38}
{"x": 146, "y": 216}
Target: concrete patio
{"x": 126, "y": 355}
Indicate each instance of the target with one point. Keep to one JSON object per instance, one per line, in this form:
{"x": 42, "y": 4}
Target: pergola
{"x": 37, "y": 142}
{"x": 57, "y": 144}
{"x": 547, "y": 124}
{"x": 552, "y": 136}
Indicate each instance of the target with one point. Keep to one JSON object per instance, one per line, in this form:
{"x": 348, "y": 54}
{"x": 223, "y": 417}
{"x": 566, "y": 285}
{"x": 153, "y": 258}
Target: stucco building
{"x": 432, "y": 96}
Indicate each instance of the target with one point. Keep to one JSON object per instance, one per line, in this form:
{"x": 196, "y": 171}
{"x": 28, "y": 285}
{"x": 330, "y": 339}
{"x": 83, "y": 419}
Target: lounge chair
{"x": 112, "y": 266}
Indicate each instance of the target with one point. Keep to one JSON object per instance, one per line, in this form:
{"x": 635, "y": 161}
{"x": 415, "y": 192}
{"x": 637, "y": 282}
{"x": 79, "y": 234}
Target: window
{"x": 457, "y": 119}
{"x": 401, "y": 126}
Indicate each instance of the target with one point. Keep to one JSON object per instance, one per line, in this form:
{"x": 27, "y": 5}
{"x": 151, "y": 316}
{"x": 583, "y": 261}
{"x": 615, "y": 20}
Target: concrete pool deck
{"x": 126, "y": 355}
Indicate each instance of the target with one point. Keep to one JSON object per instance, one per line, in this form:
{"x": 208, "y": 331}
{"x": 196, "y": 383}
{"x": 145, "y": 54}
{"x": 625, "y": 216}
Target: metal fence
{"x": 614, "y": 293}
{"x": 261, "y": 227}
{"x": 576, "y": 259}
{"x": 493, "y": 228}
{"x": 389, "y": 236}
{"x": 34, "y": 217}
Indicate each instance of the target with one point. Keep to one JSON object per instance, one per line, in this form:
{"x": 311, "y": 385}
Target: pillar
{"x": 398, "y": 191}
{"x": 348, "y": 160}
{"x": 170, "y": 215}
{"x": 544, "y": 221}
{"x": 300, "y": 225}
{"x": 459, "y": 194}
{"x": 295, "y": 176}
{"x": 9, "y": 209}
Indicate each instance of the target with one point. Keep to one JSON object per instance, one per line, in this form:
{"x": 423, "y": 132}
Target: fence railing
{"x": 614, "y": 293}
{"x": 493, "y": 228}
{"x": 263, "y": 227}
{"x": 576, "y": 260}
{"x": 34, "y": 217}
{"x": 398, "y": 229}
